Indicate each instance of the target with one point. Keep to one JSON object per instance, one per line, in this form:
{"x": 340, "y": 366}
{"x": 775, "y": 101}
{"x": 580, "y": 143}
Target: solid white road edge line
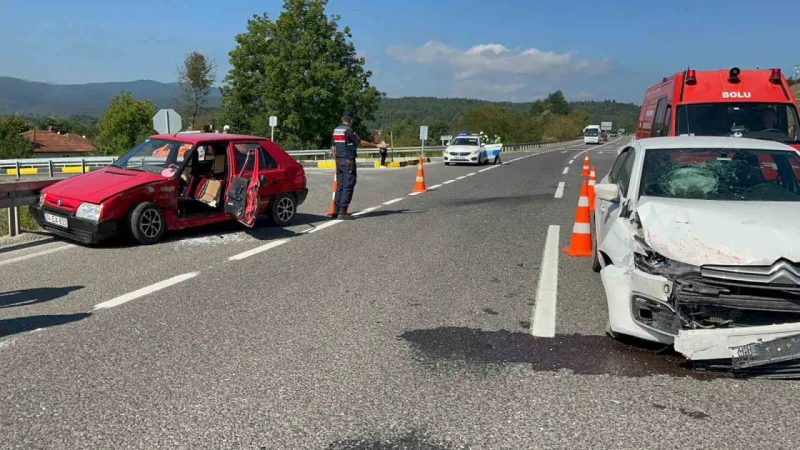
{"x": 366, "y": 210}
{"x": 322, "y": 226}
{"x": 560, "y": 190}
{"x": 258, "y": 250}
{"x": 394, "y": 200}
{"x": 544, "y": 312}
{"x": 34, "y": 255}
{"x": 145, "y": 291}
{"x": 566, "y": 169}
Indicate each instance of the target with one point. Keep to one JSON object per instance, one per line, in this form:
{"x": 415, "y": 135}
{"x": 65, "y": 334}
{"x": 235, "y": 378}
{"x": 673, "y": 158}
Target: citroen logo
{"x": 59, "y": 202}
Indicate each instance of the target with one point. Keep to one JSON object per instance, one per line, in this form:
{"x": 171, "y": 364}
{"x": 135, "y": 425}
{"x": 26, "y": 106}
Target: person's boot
{"x": 343, "y": 214}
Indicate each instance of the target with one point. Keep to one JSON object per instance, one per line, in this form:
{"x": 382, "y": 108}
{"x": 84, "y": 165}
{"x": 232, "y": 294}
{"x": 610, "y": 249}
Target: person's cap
{"x": 348, "y": 115}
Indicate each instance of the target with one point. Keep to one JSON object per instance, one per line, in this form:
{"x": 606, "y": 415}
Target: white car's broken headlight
{"x": 650, "y": 261}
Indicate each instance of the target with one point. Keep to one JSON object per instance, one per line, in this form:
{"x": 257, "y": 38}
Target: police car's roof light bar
{"x": 775, "y": 76}
{"x": 691, "y": 77}
{"x": 733, "y": 75}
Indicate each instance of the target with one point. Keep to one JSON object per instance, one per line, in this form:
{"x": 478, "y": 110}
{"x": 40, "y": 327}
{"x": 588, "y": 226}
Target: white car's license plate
{"x": 55, "y": 220}
{"x": 460, "y": 158}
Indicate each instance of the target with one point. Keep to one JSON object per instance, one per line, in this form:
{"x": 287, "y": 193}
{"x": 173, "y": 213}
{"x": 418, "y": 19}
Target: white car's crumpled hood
{"x": 701, "y": 232}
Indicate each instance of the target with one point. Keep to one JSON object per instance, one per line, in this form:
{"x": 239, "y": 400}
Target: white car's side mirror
{"x": 607, "y": 192}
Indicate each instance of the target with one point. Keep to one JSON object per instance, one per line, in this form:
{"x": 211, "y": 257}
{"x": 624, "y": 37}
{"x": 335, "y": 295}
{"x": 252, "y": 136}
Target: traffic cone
{"x": 592, "y": 182}
{"x": 419, "y": 185}
{"x": 581, "y": 242}
{"x": 332, "y": 210}
{"x": 585, "y": 172}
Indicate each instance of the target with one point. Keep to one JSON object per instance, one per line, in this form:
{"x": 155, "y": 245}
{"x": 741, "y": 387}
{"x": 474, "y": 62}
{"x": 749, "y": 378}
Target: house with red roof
{"x": 51, "y": 143}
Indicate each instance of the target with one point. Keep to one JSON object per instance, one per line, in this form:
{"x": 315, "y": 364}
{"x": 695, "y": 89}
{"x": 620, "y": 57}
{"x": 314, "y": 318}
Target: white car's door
{"x": 612, "y": 219}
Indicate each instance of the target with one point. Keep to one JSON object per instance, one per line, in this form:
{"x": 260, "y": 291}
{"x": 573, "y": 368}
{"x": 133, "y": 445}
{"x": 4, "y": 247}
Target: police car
{"x": 467, "y": 150}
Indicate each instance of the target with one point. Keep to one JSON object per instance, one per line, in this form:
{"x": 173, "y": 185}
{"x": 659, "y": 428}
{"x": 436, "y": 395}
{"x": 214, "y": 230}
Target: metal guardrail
{"x": 55, "y": 166}
{"x": 14, "y": 195}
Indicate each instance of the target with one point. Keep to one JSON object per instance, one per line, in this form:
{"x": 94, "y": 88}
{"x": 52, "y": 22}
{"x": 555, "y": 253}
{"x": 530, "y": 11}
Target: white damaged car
{"x": 697, "y": 240}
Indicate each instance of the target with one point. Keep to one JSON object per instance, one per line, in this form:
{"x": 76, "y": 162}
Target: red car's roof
{"x": 194, "y": 138}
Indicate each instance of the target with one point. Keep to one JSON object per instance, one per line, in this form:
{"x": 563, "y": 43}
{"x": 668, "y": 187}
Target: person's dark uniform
{"x": 345, "y": 146}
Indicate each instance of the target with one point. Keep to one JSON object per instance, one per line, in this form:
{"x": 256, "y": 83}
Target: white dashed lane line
{"x": 258, "y": 250}
{"x": 544, "y": 310}
{"x": 571, "y": 161}
{"x": 34, "y": 255}
{"x": 566, "y": 169}
{"x": 394, "y": 200}
{"x": 435, "y": 186}
{"x": 322, "y": 226}
{"x": 461, "y": 178}
{"x": 145, "y": 291}
{"x": 449, "y": 181}
{"x": 365, "y": 211}
{"x": 560, "y": 190}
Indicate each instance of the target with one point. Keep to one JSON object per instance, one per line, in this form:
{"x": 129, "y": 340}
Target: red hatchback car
{"x": 172, "y": 182}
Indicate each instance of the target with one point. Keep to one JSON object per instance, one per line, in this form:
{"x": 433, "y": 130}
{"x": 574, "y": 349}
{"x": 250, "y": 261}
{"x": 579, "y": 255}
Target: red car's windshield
{"x": 153, "y": 155}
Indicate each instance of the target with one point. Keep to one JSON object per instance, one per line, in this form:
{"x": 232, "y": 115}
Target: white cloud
{"x": 488, "y": 59}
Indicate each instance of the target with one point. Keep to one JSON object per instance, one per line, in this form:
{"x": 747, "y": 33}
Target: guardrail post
{"x": 13, "y": 221}
{"x": 83, "y": 165}
{"x": 16, "y": 163}
{"x": 50, "y": 168}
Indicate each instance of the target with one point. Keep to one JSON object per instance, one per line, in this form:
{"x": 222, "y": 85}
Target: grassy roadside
{"x": 26, "y": 221}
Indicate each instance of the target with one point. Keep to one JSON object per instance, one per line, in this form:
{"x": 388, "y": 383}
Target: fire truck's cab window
{"x": 770, "y": 121}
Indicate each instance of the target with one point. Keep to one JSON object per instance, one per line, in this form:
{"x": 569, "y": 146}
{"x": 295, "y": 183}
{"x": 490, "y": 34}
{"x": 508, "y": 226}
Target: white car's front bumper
{"x": 625, "y": 290}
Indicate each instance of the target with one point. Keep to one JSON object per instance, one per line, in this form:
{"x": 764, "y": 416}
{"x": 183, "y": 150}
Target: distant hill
{"x": 32, "y": 98}
{"x": 448, "y": 109}
{"x": 37, "y": 99}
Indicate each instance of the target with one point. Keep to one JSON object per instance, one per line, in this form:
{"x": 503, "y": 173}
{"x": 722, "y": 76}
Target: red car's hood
{"x": 94, "y": 187}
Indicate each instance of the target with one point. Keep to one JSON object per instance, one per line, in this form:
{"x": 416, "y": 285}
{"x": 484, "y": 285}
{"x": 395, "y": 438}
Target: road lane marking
{"x": 470, "y": 174}
{"x": 394, "y": 201}
{"x": 566, "y": 169}
{"x": 257, "y": 250}
{"x": 449, "y": 181}
{"x": 560, "y": 190}
{"x": 544, "y": 312}
{"x": 34, "y": 255}
{"x": 484, "y": 170}
{"x": 367, "y": 210}
{"x": 564, "y": 151}
{"x": 415, "y": 193}
{"x": 571, "y": 161}
{"x": 145, "y": 291}
{"x": 322, "y": 226}
{"x": 461, "y": 178}
{"x": 435, "y": 186}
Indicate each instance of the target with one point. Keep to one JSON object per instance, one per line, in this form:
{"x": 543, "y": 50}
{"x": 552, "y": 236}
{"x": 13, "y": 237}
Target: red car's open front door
{"x": 242, "y": 196}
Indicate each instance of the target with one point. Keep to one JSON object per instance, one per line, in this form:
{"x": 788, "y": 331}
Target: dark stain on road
{"x": 699, "y": 415}
{"x": 657, "y": 406}
{"x": 584, "y": 355}
{"x": 490, "y": 311}
{"x": 525, "y": 324}
{"x": 495, "y": 280}
{"x": 410, "y": 441}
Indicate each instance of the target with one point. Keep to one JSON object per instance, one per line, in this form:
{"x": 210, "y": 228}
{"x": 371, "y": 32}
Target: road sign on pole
{"x": 605, "y": 126}
{"x": 423, "y": 136}
{"x": 167, "y": 121}
{"x": 273, "y": 122}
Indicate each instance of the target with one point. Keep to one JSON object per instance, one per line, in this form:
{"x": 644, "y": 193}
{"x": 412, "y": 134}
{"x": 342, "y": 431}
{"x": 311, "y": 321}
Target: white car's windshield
{"x": 465, "y": 141}
{"x": 721, "y": 174}
{"x": 770, "y": 121}
{"x": 153, "y": 155}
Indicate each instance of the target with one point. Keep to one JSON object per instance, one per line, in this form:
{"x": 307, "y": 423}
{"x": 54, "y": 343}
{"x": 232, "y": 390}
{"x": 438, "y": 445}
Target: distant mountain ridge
{"x": 33, "y": 98}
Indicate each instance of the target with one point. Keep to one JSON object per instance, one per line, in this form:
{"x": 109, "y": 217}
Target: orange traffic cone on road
{"x": 585, "y": 172}
{"x": 592, "y": 182}
{"x": 581, "y": 242}
{"x": 419, "y": 185}
{"x": 332, "y": 210}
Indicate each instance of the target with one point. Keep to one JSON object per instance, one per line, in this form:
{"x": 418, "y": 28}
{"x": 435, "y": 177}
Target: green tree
{"x": 557, "y": 104}
{"x": 12, "y": 144}
{"x": 125, "y": 123}
{"x": 300, "y": 68}
{"x": 195, "y": 80}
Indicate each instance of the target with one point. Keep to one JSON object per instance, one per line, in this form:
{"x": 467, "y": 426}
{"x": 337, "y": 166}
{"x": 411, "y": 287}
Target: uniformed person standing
{"x": 345, "y": 146}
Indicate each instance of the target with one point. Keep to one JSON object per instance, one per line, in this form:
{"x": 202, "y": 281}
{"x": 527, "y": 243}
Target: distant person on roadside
{"x": 226, "y": 129}
{"x": 345, "y": 150}
{"x": 377, "y": 138}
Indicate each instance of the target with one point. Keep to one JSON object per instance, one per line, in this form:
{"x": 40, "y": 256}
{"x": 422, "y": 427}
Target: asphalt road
{"x": 409, "y": 327}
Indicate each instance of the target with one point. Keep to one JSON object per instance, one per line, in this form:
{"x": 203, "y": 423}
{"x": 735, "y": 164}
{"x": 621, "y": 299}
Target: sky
{"x": 503, "y": 50}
